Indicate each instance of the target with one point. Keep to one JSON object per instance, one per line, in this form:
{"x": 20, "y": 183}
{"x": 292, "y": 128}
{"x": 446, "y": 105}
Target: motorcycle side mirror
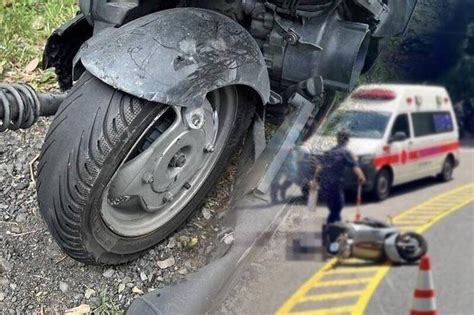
{"x": 399, "y": 136}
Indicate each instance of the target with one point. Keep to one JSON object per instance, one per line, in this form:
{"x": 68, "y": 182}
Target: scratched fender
{"x": 177, "y": 57}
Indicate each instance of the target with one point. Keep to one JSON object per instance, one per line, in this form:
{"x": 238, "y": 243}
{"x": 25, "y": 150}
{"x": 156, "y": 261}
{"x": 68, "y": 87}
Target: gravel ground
{"x": 36, "y": 277}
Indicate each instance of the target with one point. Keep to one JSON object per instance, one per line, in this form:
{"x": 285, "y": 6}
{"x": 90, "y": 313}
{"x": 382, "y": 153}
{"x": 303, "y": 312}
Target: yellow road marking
{"x": 331, "y": 296}
{"x": 359, "y": 308}
{"x": 327, "y": 311}
{"x": 432, "y": 211}
{"x": 353, "y": 270}
{"x": 441, "y": 216}
{"x": 408, "y": 227}
{"x": 411, "y": 220}
{"x": 340, "y": 283}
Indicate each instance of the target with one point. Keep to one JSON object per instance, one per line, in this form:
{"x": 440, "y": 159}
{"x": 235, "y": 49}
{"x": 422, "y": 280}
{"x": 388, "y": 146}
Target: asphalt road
{"x": 276, "y": 274}
{"x": 451, "y": 249}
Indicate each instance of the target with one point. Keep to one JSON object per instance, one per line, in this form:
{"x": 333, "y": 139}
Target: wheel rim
{"x": 159, "y": 178}
{"x": 410, "y": 247}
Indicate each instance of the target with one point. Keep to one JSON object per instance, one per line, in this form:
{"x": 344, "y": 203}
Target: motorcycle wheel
{"x": 118, "y": 174}
{"x": 405, "y": 243}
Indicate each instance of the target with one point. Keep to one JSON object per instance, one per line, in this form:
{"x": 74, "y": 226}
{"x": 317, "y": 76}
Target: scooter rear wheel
{"x": 118, "y": 174}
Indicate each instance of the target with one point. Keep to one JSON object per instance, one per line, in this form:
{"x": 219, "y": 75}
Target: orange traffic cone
{"x": 424, "y": 298}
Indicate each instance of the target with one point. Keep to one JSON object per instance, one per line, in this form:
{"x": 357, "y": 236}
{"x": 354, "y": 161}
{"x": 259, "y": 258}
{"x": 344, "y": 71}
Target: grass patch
{"x": 24, "y": 28}
{"x": 106, "y": 307}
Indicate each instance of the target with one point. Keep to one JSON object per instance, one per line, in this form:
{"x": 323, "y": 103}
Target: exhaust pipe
{"x": 21, "y": 106}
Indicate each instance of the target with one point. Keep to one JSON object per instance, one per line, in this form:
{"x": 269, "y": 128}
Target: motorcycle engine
{"x": 311, "y": 38}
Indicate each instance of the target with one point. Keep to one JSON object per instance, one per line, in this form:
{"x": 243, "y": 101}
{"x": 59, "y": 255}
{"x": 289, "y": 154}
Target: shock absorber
{"x": 21, "y": 106}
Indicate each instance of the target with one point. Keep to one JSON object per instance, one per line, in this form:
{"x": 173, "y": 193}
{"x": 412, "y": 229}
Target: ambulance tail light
{"x": 375, "y": 94}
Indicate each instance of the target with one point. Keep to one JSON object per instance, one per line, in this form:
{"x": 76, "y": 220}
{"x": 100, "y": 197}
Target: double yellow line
{"x": 338, "y": 289}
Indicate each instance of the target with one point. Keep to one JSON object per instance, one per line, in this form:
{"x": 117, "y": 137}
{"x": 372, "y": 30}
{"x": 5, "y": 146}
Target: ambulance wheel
{"x": 383, "y": 185}
{"x": 447, "y": 172}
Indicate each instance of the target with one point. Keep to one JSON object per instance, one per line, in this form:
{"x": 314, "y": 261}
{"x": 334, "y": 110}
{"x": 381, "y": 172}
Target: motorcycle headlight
{"x": 366, "y": 159}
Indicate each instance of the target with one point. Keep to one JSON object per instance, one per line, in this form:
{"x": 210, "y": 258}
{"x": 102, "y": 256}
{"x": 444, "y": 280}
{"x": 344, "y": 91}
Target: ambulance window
{"x": 401, "y": 125}
{"x": 443, "y": 122}
{"x": 426, "y": 124}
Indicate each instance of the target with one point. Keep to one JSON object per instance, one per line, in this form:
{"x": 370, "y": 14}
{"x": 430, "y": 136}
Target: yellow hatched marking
{"x": 352, "y": 270}
{"x": 445, "y": 201}
{"x": 362, "y": 303}
{"x": 331, "y": 296}
{"x": 430, "y": 207}
{"x": 412, "y": 223}
{"x": 307, "y": 286}
{"x": 326, "y": 311}
{"x": 408, "y": 228}
{"x": 438, "y": 218}
{"x": 407, "y": 225}
{"x": 435, "y": 209}
{"x": 411, "y": 220}
{"x": 422, "y": 211}
{"x": 425, "y": 213}
{"x": 341, "y": 283}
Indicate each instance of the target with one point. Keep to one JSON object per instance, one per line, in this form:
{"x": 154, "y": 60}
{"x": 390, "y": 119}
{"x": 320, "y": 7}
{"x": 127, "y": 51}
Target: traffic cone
{"x": 424, "y": 297}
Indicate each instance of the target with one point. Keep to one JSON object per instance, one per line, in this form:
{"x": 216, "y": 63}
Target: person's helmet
{"x": 343, "y": 137}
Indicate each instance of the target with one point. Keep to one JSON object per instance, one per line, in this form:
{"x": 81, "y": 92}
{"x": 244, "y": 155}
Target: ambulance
{"x": 399, "y": 134}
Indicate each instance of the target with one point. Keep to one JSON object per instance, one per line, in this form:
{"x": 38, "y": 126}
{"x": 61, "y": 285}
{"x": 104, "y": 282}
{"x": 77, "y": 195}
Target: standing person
{"x": 296, "y": 170}
{"x": 333, "y": 167}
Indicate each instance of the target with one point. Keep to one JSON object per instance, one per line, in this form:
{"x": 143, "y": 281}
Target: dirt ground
{"x": 36, "y": 277}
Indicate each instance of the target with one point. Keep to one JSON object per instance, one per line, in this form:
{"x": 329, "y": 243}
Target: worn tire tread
{"x": 78, "y": 145}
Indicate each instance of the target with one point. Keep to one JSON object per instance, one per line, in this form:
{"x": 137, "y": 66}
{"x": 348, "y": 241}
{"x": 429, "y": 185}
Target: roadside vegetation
{"x": 24, "y": 27}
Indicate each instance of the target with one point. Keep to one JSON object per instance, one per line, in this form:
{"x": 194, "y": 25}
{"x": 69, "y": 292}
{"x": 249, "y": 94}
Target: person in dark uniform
{"x": 334, "y": 164}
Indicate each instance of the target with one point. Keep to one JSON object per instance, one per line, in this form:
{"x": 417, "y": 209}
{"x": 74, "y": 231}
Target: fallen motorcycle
{"x": 158, "y": 95}
{"x": 373, "y": 240}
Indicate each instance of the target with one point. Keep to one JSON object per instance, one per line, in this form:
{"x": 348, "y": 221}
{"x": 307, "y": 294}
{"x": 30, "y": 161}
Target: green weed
{"x": 24, "y": 28}
{"x": 106, "y": 306}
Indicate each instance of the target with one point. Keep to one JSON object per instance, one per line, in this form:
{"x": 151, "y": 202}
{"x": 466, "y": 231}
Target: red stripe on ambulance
{"x": 413, "y": 155}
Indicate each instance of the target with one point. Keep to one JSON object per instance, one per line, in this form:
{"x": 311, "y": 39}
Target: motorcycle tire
{"x": 92, "y": 134}
{"x": 422, "y": 247}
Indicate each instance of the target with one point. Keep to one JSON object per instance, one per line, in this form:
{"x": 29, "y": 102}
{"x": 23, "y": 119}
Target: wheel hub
{"x": 154, "y": 179}
{"x": 175, "y": 169}
{"x": 168, "y": 166}
{"x": 179, "y": 160}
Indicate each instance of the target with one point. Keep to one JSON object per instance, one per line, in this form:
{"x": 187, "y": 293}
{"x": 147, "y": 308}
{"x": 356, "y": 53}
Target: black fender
{"x": 177, "y": 57}
{"x": 63, "y": 45}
